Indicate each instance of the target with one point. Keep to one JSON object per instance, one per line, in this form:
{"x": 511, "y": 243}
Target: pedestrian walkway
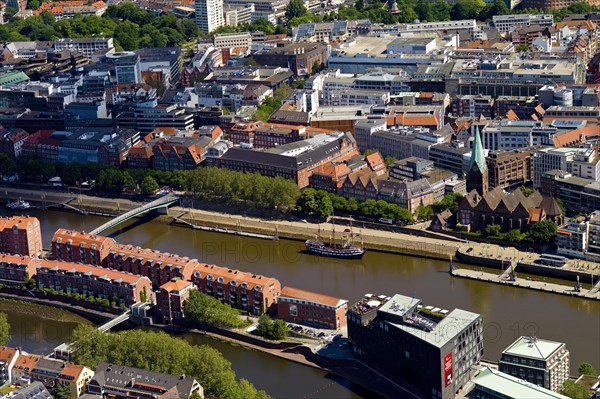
{"x": 524, "y": 283}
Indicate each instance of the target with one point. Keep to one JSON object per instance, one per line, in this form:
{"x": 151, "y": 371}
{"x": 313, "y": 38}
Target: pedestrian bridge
{"x": 113, "y": 322}
{"x": 162, "y": 202}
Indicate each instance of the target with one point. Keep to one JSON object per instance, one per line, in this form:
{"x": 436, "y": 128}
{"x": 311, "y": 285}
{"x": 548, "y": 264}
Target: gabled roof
{"x": 551, "y": 207}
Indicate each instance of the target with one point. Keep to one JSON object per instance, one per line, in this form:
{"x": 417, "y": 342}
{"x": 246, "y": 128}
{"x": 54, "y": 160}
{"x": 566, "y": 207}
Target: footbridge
{"x": 114, "y": 322}
{"x": 159, "y": 203}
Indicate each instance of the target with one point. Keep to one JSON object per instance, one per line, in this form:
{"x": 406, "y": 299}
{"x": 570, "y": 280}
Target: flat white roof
{"x": 512, "y": 387}
{"x": 533, "y": 348}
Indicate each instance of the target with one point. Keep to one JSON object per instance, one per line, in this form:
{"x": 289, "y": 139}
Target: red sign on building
{"x": 448, "y": 369}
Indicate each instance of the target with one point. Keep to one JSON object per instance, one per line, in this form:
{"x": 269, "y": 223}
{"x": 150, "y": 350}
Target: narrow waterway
{"x": 508, "y": 312}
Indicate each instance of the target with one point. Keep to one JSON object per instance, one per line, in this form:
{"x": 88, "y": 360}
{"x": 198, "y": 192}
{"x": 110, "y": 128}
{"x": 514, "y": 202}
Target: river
{"x": 508, "y": 312}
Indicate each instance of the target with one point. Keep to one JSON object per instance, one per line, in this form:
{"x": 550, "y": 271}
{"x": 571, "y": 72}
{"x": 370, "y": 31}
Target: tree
{"x": 587, "y": 369}
{"x": 162, "y": 353}
{"x": 440, "y": 10}
{"x": 324, "y": 204}
{"x": 276, "y": 330}
{"x": 294, "y": 9}
{"x": 424, "y": 212}
{"x": 148, "y": 185}
{"x": 390, "y": 161}
{"x": 61, "y": 391}
{"x": 7, "y": 165}
{"x": 467, "y": 9}
{"x": 521, "y": 48}
{"x": 542, "y": 232}
{"x": 574, "y": 390}
{"x": 514, "y": 235}
{"x": 250, "y": 61}
{"x": 4, "y": 329}
{"x": 493, "y": 230}
{"x": 204, "y": 309}
{"x": 526, "y": 191}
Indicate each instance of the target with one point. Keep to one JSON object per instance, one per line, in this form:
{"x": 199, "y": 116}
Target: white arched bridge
{"x": 159, "y": 203}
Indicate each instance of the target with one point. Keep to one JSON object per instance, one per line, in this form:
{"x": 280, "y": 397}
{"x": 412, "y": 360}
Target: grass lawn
{"x": 7, "y": 389}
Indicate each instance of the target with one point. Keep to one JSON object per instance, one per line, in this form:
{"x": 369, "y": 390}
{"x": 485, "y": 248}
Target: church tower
{"x": 477, "y": 173}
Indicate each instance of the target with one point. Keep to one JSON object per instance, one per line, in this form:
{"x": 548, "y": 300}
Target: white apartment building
{"x": 233, "y": 40}
{"x": 463, "y": 24}
{"x": 572, "y": 239}
{"x": 209, "y": 14}
{"x": 87, "y": 46}
{"x": 585, "y": 164}
{"x": 237, "y": 15}
{"x": 507, "y": 135}
{"x": 580, "y": 162}
{"x": 508, "y": 23}
{"x": 357, "y": 97}
{"x": 580, "y": 238}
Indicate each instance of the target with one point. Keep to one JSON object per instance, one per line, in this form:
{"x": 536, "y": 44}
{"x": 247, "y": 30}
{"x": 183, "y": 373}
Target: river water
{"x": 508, "y": 312}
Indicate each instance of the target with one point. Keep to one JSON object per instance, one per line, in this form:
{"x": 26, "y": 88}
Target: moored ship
{"x": 19, "y": 204}
{"x": 344, "y": 250}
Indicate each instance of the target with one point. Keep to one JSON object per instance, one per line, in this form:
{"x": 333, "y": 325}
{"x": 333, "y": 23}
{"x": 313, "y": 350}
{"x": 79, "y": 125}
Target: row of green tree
{"x": 221, "y": 185}
{"x": 321, "y": 204}
{"x": 542, "y": 232}
{"x": 4, "y": 329}
{"x": 129, "y": 25}
{"x": 160, "y": 352}
{"x": 423, "y": 10}
{"x": 108, "y": 179}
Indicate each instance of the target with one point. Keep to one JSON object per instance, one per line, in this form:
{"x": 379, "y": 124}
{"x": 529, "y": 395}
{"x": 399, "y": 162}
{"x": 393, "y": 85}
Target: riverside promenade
{"x": 414, "y": 243}
{"x": 524, "y": 283}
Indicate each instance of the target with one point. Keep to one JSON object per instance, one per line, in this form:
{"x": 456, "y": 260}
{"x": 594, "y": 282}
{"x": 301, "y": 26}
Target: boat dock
{"x": 237, "y": 231}
{"x": 525, "y": 283}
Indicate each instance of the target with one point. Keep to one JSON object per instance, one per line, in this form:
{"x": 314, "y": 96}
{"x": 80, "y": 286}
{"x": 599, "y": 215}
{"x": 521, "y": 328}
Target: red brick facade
{"x": 317, "y": 310}
{"x": 14, "y": 269}
{"x": 170, "y": 298}
{"x": 92, "y": 280}
{"x": 74, "y": 246}
{"x": 20, "y": 235}
{"x": 159, "y": 267}
{"x": 251, "y": 292}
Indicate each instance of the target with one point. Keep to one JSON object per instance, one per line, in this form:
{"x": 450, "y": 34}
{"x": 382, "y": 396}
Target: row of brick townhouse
{"x": 94, "y": 281}
{"x": 74, "y": 246}
{"x": 20, "y": 235}
{"x": 159, "y": 267}
{"x": 134, "y": 269}
{"x": 251, "y": 292}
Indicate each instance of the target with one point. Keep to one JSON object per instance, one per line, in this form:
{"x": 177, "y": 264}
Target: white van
{"x": 386, "y": 221}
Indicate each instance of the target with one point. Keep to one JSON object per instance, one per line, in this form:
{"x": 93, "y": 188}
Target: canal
{"x": 508, "y": 312}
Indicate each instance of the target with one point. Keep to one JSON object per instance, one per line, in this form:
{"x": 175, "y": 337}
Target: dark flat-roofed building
{"x": 299, "y": 57}
{"x": 296, "y": 161}
{"x": 431, "y": 349}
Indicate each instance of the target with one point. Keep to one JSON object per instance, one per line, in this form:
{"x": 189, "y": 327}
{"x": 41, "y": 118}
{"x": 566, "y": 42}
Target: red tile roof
{"x": 93, "y": 270}
{"x": 229, "y": 275}
{"x": 77, "y": 238}
{"x": 26, "y": 362}
{"x": 176, "y": 285}
{"x": 7, "y": 354}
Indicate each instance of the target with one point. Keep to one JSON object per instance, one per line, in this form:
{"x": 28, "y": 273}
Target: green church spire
{"x": 477, "y": 156}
